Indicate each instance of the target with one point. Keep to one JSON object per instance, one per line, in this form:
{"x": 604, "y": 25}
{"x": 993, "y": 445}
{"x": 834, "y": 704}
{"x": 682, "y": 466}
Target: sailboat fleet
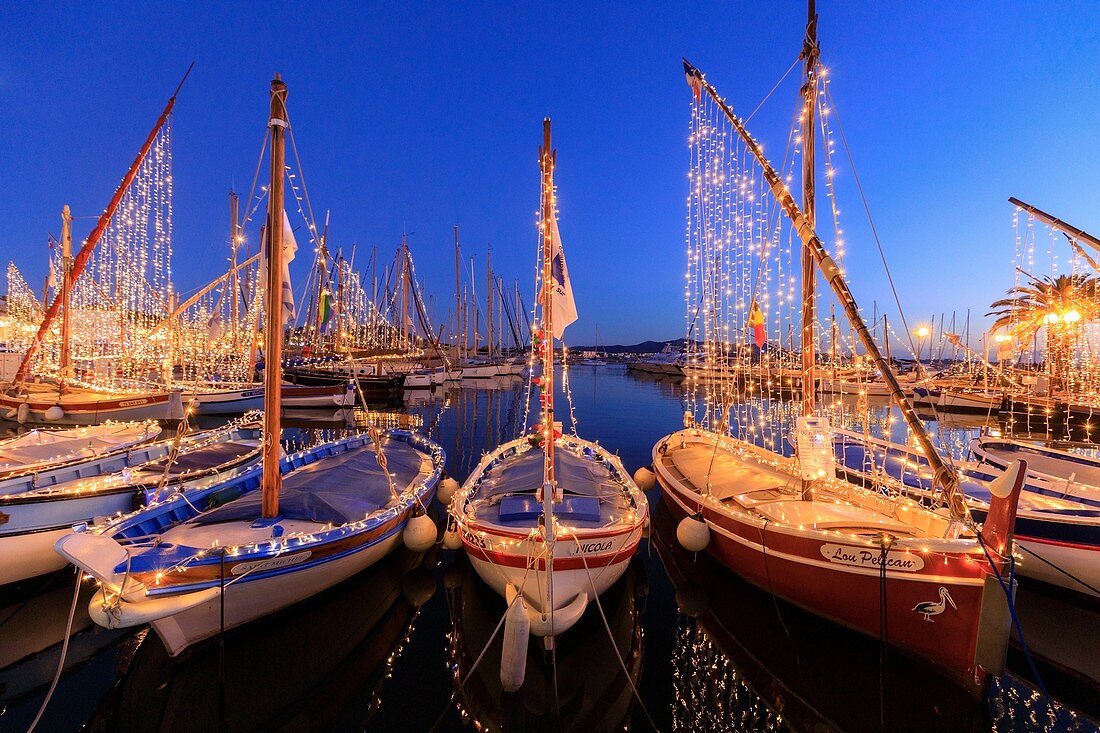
{"x": 194, "y": 531}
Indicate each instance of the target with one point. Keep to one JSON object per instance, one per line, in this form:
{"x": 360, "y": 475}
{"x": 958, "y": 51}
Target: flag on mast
{"x": 564, "y": 307}
{"x": 324, "y": 307}
{"x": 290, "y": 248}
{"x": 756, "y": 323}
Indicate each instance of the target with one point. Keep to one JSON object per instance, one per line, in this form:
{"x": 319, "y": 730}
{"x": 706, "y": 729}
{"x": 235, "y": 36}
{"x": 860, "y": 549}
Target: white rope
{"x": 64, "y": 652}
{"x": 610, "y": 636}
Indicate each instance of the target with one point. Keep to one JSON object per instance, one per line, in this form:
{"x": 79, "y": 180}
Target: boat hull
{"x": 31, "y": 523}
{"x": 245, "y": 602}
{"x": 90, "y": 409}
{"x": 844, "y": 582}
{"x": 577, "y": 568}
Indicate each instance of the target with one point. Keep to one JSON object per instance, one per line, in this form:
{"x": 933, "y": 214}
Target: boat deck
{"x": 591, "y": 496}
{"x": 772, "y": 494}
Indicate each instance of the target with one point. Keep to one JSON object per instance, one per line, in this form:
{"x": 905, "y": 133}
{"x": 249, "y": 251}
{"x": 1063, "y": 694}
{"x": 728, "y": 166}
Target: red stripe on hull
{"x": 577, "y": 562}
{"x": 120, "y": 403}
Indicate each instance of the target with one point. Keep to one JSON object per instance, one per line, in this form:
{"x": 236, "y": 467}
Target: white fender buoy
{"x": 452, "y": 540}
{"x": 517, "y": 632}
{"x": 418, "y": 586}
{"x": 446, "y": 491}
{"x": 54, "y": 413}
{"x": 23, "y": 413}
{"x": 645, "y": 478}
{"x": 693, "y": 534}
{"x": 419, "y": 533}
{"x": 10, "y": 413}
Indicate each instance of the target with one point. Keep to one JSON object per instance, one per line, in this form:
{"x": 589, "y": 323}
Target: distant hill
{"x": 645, "y": 347}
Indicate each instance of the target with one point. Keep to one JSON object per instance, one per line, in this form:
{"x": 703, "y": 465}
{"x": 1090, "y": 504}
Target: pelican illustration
{"x": 929, "y": 608}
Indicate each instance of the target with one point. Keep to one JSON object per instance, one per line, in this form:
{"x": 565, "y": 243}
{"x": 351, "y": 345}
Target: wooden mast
{"x": 546, "y": 396}
{"x": 810, "y": 54}
{"x": 546, "y": 385}
{"x": 66, "y": 294}
{"x": 489, "y": 300}
{"x": 85, "y": 253}
{"x": 460, "y": 331}
{"x": 273, "y": 336}
{"x": 1065, "y": 227}
{"x": 235, "y": 240}
{"x": 943, "y": 474}
{"x": 322, "y": 284}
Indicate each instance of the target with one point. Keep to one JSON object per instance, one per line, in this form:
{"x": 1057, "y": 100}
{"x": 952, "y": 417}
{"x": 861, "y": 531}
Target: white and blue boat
{"x": 169, "y": 564}
{"x": 1059, "y": 534}
{"x": 37, "y": 509}
{"x": 210, "y": 559}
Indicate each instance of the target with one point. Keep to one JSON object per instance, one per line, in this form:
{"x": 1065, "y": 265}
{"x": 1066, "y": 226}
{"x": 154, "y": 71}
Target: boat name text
{"x": 864, "y": 558}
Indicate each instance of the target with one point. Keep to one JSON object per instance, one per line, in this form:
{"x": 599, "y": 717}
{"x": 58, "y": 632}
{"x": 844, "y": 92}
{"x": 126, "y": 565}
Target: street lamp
{"x": 921, "y": 333}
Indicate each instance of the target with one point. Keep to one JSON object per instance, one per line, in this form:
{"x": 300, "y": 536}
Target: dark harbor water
{"x": 682, "y": 644}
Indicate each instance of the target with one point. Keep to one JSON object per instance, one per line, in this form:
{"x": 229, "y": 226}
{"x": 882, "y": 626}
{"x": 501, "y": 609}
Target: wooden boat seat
{"x": 729, "y": 477}
{"x": 830, "y": 515}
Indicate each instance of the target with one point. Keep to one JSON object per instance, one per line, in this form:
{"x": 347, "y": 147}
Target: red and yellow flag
{"x": 756, "y": 323}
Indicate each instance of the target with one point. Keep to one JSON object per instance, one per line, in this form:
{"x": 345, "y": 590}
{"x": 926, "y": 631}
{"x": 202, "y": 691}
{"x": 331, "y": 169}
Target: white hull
{"x": 245, "y": 602}
{"x": 484, "y": 371}
{"x": 30, "y": 555}
{"x": 1081, "y": 563}
{"x": 227, "y": 402}
{"x": 568, "y": 584}
{"x": 842, "y": 386}
{"x": 953, "y": 400}
{"x": 586, "y": 560}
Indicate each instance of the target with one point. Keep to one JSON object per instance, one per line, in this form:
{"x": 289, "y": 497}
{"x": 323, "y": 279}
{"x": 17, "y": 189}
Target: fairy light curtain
{"x": 742, "y": 285}
{"x": 23, "y": 312}
{"x": 126, "y": 290}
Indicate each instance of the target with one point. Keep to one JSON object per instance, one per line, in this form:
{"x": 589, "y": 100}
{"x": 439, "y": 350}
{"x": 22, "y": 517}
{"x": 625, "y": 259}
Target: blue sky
{"x": 418, "y": 116}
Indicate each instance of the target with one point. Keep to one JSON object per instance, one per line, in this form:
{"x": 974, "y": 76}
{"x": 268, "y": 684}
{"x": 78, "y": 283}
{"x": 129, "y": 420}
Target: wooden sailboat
{"x": 865, "y": 559}
{"x": 116, "y": 472}
{"x": 224, "y": 555}
{"x": 62, "y": 402}
{"x": 549, "y": 521}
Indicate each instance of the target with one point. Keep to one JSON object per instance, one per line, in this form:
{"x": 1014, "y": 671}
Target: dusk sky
{"x": 418, "y": 116}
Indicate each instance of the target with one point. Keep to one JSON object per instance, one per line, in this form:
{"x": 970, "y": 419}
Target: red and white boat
{"x": 46, "y": 404}
{"x": 549, "y": 521}
{"x": 928, "y": 582}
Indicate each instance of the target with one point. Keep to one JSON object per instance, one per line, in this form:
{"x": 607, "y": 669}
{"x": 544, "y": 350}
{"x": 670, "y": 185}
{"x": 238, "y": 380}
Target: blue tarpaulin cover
{"x": 338, "y": 489}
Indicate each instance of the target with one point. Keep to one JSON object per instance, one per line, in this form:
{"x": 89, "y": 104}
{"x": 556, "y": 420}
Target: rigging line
{"x": 255, "y": 182}
{"x": 769, "y": 94}
{"x": 611, "y": 637}
{"x": 870, "y": 219}
{"x": 311, "y": 222}
{"x": 878, "y": 243}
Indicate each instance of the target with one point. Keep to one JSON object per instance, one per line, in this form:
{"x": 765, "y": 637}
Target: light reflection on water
{"x": 393, "y": 648}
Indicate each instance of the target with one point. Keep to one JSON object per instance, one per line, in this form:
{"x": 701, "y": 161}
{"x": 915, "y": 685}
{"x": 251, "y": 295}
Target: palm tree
{"x": 1063, "y": 305}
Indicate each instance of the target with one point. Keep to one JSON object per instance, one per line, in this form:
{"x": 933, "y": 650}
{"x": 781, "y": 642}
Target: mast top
{"x": 180, "y": 85}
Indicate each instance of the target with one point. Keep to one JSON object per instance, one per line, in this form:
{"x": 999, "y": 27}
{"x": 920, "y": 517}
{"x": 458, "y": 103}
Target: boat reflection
{"x": 593, "y": 693}
{"x": 32, "y": 628}
{"x": 319, "y": 665}
{"x": 745, "y": 660}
